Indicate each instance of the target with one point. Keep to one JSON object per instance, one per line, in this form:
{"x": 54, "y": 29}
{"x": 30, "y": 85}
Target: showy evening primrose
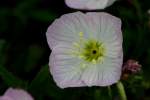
{"x": 16, "y": 94}
{"x": 86, "y": 49}
{"x": 89, "y": 4}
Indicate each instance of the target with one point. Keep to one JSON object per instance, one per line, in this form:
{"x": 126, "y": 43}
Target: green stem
{"x": 97, "y": 94}
{"x": 121, "y": 91}
{"x": 110, "y": 92}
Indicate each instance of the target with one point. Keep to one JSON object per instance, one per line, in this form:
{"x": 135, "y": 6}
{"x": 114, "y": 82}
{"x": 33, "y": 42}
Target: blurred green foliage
{"x": 24, "y": 52}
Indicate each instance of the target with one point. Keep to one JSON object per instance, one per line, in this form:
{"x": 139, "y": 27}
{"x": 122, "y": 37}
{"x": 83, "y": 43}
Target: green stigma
{"x": 93, "y": 51}
{"x": 90, "y": 50}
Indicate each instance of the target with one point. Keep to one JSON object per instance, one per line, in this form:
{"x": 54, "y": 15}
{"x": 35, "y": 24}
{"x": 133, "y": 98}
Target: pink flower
{"x": 89, "y": 4}
{"x": 86, "y": 49}
{"x": 16, "y": 94}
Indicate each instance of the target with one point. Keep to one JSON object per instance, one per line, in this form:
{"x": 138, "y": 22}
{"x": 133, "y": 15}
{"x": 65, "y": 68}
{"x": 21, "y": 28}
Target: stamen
{"x": 94, "y": 61}
{"x": 90, "y": 50}
{"x": 81, "y": 34}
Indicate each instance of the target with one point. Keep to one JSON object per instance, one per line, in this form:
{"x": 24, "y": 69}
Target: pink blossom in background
{"x": 89, "y": 4}
{"x": 16, "y": 94}
{"x": 132, "y": 66}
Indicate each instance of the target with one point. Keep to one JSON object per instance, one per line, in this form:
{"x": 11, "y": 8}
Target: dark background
{"x": 24, "y": 52}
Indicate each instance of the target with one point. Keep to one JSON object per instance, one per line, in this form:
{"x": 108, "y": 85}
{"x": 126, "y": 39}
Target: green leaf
{"x": 40, "y": 78}
{"x": 10, "y": 79}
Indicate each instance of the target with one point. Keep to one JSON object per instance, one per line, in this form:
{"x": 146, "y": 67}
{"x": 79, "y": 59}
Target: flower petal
{"x": 64, "y": 67}
{"x": 108, "y": 30}
{"x": 110, "y": 2}
{"x": 77, "y": 4}
{"x": 104, "y": 74}
{"x": 18, "y": 94}
{"x": 96, "y": 4}
{"x": 89, "y": 4}
{"x": 5, "y": 98}
{"x": 67, "y": 28}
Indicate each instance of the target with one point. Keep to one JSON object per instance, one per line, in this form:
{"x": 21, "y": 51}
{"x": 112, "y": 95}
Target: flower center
{"x": 93, "y": 51}
{"x": 90, "y": 50}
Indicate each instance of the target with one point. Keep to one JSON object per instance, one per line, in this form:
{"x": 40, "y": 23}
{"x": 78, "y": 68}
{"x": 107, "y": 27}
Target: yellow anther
{"x": 101, "y": 59}
{"x": 81, "y": 34}
{"x": 94, "y": 61}
{"x": 81, "y": 56}
{"x": 76, "y": 44}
